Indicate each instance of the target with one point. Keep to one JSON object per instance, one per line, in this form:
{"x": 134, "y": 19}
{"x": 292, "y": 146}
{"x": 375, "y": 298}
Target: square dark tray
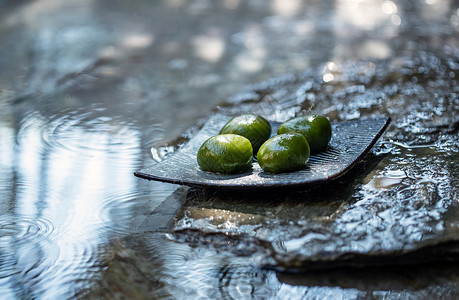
{"x": 350, "y": 142}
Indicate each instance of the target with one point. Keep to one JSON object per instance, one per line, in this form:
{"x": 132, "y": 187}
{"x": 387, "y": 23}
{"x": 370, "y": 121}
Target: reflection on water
{"x": 91, "y": 91}
{"x": 72, "y": 185}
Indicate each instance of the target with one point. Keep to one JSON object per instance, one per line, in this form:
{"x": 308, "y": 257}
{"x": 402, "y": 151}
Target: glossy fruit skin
{"x": 226, "y": 154}
{"x": 316, "y": 129}
{"x": 254, "y": 127}
{"x": 284, "y": 153}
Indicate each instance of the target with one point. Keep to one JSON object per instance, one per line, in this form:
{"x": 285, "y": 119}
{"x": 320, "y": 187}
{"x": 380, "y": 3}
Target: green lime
{"x": 225, "y": 153}
{"x": 254, "y": 127}
{"x": 284, "y": 153}
{"x": 316, "y": 129}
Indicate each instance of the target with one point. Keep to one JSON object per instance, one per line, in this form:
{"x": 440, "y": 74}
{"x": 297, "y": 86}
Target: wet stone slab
{"x": 398, "y": 206}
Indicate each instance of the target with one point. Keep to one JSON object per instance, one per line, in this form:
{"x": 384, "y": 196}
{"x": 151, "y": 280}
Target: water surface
{"x": 91, "y": 91}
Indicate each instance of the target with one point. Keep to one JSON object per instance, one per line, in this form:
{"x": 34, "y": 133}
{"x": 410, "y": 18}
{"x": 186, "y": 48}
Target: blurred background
{"x": 93, "y": 90}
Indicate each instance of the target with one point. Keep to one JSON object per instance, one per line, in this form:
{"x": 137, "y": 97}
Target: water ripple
{"x": 80, "y": 131}
{"x": 27, "y": 252}
{"x": 39, "y": 260}
{"x": 26, "y": 228}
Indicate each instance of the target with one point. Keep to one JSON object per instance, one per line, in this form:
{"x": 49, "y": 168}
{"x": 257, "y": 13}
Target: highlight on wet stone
{"x": 254, "y": 127}
{"x": 315, "y": 128}
{"x": 284, "y": 153}
{"x": 226, "y": 154}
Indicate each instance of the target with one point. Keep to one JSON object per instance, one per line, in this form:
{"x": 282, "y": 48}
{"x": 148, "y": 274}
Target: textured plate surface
{"x": 350, "y": 141}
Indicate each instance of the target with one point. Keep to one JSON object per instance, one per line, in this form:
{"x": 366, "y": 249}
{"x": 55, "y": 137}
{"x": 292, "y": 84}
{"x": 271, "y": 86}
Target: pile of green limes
{"x": 242, "y": 137}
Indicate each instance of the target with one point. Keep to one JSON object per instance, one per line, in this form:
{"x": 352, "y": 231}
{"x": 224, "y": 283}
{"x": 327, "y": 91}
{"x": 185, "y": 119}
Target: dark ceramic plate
{"x": 350, "y": 141}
